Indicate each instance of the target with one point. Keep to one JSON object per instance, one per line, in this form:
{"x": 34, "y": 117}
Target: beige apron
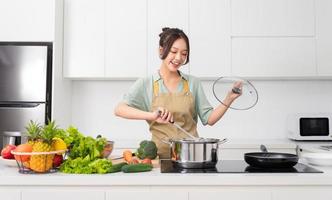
{"x": 182, "y": 106}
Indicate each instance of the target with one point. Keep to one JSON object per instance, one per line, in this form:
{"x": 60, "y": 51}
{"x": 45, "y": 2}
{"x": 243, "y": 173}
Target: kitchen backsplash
{"x": 93, "y": 103}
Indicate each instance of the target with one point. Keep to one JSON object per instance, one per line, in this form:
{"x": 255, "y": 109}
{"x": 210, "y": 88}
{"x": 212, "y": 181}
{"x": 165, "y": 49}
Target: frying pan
{"x": 266, "y": 159}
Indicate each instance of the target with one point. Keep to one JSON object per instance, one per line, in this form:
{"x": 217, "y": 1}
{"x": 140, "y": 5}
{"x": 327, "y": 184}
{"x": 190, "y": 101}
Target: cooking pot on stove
{"x": 195, "y": 153}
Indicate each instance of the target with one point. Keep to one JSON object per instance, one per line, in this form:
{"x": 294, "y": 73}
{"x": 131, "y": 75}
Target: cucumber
{"x": 141, "y": 167}
{"x": 117, "y": 167}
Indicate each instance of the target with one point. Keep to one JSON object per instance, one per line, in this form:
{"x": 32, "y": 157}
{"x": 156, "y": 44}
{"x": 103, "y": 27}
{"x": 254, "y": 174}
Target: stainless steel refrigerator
{"x": 25, "y": 85}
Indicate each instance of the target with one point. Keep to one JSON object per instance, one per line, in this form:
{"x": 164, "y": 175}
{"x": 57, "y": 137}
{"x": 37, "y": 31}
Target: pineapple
{"x": 33, "y": 131}
{"x": 43, "y": 162}
{"x": 41, "y": 139}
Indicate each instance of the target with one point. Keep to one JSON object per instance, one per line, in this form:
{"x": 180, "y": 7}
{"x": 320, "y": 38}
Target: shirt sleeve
{"x": 137, "y": 95}
{"x": 203, "y": 106}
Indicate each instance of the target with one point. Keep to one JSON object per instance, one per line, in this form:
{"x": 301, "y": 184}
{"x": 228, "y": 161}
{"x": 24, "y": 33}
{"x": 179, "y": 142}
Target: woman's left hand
{"x": 234, "y": 93}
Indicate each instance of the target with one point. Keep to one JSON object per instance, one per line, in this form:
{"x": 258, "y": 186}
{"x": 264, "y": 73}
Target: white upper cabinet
{"x": 273, "y": 57}
{"x": 84, "y": 38}
{"x": 250, "y": 38}
{"x": 164, "y": 13}
{"x": 273, "y": 17}
{"x": 273, "y": 38}
{"x": 125, "y": 38}
{"x": 32, "y": 20}
{"x": 209, "y": 24}
{"x": 324, "y": 37}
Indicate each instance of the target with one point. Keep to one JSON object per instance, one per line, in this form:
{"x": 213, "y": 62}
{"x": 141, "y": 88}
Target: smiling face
{"x": 177, "y": 55}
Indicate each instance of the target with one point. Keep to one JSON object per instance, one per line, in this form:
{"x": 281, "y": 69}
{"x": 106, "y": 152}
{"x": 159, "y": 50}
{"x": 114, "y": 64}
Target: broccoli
{"x": 147, "y": 149}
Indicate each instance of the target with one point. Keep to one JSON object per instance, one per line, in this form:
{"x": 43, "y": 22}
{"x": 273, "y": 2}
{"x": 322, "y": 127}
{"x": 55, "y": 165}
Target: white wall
{"x": 93, "y": 103}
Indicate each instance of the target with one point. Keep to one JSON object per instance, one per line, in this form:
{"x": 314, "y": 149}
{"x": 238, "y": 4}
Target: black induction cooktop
{"x": 234, "y": 166}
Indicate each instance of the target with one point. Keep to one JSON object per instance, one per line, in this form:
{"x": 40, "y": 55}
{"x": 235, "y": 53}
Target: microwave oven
{"x": 310, "y": 126}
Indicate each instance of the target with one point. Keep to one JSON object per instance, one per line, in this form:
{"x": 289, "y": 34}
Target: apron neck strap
{"x": 156, "y": 87}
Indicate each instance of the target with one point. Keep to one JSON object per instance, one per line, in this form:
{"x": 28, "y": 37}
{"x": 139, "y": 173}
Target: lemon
{"x": 58, "y": 144}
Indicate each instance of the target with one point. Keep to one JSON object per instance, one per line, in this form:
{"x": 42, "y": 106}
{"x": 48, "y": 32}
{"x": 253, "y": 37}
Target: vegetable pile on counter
{"x": 146, "y": 152}
{"x": 85, "y": 154}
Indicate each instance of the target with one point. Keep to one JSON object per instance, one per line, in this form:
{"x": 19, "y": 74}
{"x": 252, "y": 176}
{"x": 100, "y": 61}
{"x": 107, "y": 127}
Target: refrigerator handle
{"x": 19, "y": 104}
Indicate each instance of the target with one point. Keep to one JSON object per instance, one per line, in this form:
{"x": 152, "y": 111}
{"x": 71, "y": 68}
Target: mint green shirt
{"x": 140, "y": 95}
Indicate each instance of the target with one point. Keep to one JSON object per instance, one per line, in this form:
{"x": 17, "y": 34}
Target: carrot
{"x": 127, "y": 155}
{"x": 133, "y": 161}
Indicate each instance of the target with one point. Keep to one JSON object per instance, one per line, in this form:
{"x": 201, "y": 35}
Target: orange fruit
{"x": 27, "y": 148}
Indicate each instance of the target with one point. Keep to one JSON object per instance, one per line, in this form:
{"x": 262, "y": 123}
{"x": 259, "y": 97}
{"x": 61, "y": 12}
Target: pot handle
{"x": 222, "y": 141}
{"x": 263, "y": 148}
{"x": 216, "y": 146}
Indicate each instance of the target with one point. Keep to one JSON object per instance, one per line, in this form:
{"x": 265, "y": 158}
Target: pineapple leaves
{"x": 33, "y": 130}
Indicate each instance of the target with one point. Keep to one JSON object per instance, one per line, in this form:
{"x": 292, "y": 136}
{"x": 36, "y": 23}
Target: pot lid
{"x": 197, "y": 141}
{"x": 248, "y": 94}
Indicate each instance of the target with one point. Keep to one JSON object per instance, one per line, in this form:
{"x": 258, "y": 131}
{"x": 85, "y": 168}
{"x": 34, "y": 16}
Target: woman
{"x": 171, "y": 96}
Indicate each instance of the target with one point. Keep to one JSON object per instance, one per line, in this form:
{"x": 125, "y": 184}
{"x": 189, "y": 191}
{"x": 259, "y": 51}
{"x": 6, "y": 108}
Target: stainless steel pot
{"x": 198, "y": 153}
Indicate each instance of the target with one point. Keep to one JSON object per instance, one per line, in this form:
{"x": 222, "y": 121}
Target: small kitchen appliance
{"x": 13, "y": 138}
{"x": 310, "y": 126}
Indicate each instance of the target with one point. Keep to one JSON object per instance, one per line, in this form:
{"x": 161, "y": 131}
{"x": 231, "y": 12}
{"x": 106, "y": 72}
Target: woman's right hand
{"x": 162, "y": 115}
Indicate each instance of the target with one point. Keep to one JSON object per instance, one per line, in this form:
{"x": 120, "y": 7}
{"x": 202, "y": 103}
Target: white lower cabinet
{"x": 10, "y": 194}
{"x": 230, "y": 194}
{"x": 265, "y": 193}
{"x": 303, "y": 193}
{"x": 63, "y": 194}
{"x": 173, "y": 192}
{"x": 146, "y": 194}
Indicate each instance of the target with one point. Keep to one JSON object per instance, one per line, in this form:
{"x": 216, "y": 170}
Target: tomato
{"x": 23, "y": 148}
{"x": 6, "y": 152}
{"x": 147, "y": 161}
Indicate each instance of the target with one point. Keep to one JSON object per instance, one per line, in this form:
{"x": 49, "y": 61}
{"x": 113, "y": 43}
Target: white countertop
{"x": 9, "y": 176}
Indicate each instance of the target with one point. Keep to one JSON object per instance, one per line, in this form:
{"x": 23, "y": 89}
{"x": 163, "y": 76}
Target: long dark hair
{"x": 167, "y": 37}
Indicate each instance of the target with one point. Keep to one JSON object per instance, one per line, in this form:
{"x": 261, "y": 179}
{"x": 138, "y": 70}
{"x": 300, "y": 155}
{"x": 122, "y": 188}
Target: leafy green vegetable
{"x": 81, "y": 146}
{"x": 101, "y": 166}
{"x": 76, "y": 166}
{"x": 85, "y": 154}
{"x": 147, "y": 149}
{"x": 86, "y": 166}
